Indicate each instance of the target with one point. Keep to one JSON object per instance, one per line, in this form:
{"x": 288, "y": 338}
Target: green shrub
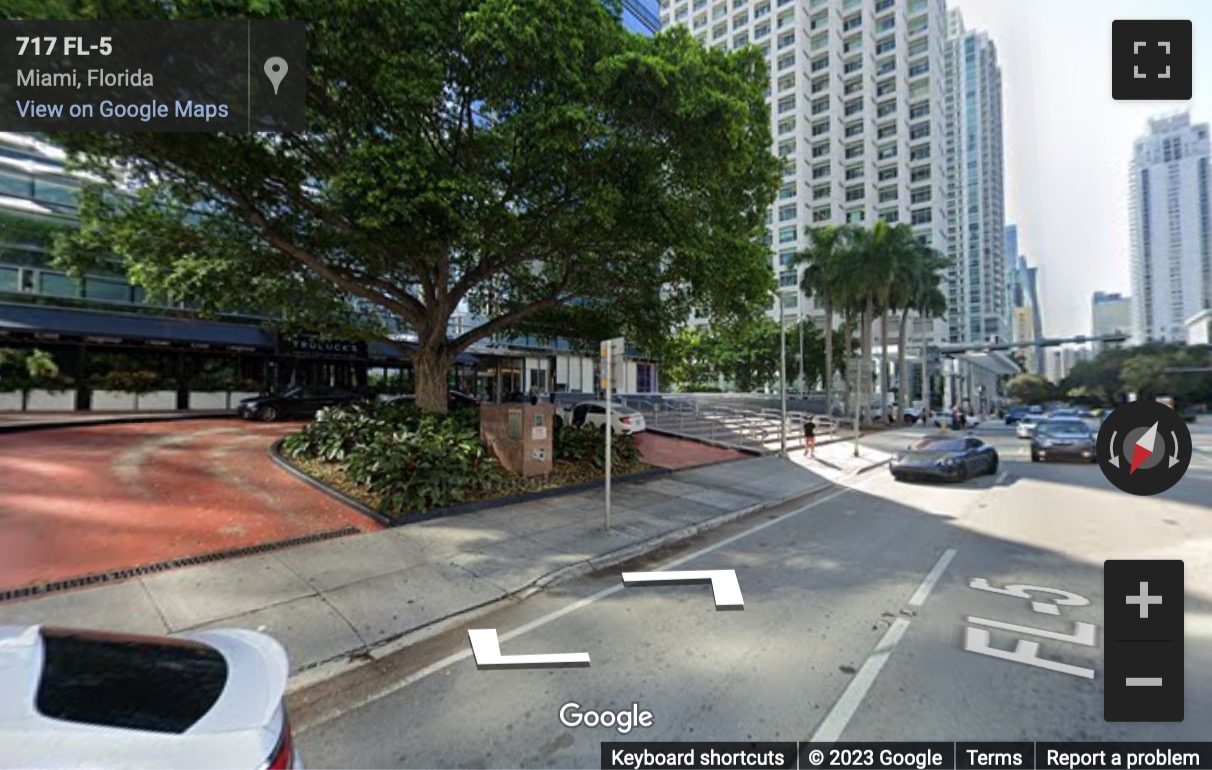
{"x": 438, "y": 462}
{"x": 337, "y": 431}
{"x": 587, "y": 444}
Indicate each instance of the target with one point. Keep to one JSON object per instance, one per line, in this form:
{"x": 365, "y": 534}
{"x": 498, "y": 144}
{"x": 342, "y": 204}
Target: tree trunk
{"x": 868, "y": 350}
{"x": 885, "y": 370}
{"x": 902, "y": 393}
{"x": 431, "y": 367}
{"x": 828, "y": 378}
{"x": 847, "y": 391}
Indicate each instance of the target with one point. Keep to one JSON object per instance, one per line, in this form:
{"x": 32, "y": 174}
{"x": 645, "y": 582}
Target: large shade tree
{"x": 530, "y": 158}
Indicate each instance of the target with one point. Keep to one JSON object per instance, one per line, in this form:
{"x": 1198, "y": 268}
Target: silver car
{"x": 77, "y": 698}
{"x": 1025, "y": 427}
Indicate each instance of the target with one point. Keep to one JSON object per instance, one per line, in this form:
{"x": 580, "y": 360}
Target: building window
{"x": 820, "y": 106}
{"x": 854, "y": 172}
{"x": 885, "y": 109}
{"x": 920, "y": 131}
{"x": 920, "y": 68}
{"x": 786, "y": 125}
{"x": 786, "y": 234}
{"x": 787, "y": 279}
{"x": 919, "y": 110}
{"x": 787, "y": 258}
{"x": 820, "y": 172}
{"x": 886, "y": 131}
{"x": 787, "y": 82}
{"x": 786, "y": 148}
{"x": 920, "y": 196}
{"x": 854, "y": 65}
{"x": 762, "y": 31}
{"x": 853, "y": 87}
{"x": 820, "y": 128}
{"x": 921, "y": 217}
{"x": 822, "y": 215}
{"x": 854, "y": 129}
{"x": 891, "y": 216}
{"x": 820, "y": 150}
{"x": 885, "y": 46}
{"x": 820, "y": 64}
{"x": 888, "y": 194}
{"x": 886, "y": 152}
{"x": 855, "y": 216}
{"x": 786, "y": 39}
{"x": 786, "y": 191}
{"x": 820, "y": 84}
{"x": 854, "y": 107}
{"x": 920, "y": 175}
{"x": 787, "y": 213}
{"x": 854, "y": 151}
{"x": 786, "y": 104}
{"x": 821, "y": 191}
{"x": 854, "y": 22}
{"x": 919, "y": 153}
{"x": 885, "y": 67}
{"x": 854, "y": 194}
{"x": 787, "y": 60}
{"x": 885, "y": 87}
{"x": 888, "y": 173}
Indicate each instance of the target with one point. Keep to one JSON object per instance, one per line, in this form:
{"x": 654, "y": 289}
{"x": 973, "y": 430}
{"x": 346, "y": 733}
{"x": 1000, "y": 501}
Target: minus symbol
{"x": 1143, "y": 681}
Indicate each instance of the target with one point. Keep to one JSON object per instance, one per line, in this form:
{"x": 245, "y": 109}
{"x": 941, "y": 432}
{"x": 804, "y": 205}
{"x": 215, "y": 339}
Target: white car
{"x": 1025, "y": 427}
{"x": 76, "y": 698}
{"x": 624, "y": 418}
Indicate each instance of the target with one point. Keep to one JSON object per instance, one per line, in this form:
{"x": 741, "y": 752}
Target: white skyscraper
{"x": 1171, "y": 228}
{"x": 976, "y": 217}
{"x": 857, "y": 105}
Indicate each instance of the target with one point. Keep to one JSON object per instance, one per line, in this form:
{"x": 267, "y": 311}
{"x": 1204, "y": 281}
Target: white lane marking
{"x": 931, "y": 579}
{"x": 454, "y": 658}
{"x": 831, "y": 728}
{"x": 1001, "y": 477}
{"x": 839, "y": 716}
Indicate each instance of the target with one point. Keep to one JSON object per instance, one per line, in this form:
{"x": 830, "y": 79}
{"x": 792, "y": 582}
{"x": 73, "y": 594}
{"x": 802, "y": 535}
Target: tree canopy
{"x": 529, "y": 158}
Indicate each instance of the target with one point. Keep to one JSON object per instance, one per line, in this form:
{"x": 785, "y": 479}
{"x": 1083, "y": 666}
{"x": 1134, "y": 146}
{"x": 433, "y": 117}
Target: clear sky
{"x": 1068, "y": 143}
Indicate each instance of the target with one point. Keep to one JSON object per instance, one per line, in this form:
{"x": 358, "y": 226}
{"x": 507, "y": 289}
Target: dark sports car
{"x": 945, "y": 457}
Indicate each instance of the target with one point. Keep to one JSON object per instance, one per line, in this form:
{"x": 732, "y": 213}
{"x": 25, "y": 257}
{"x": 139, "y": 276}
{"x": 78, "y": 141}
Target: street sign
{"x": 614, "y": 347}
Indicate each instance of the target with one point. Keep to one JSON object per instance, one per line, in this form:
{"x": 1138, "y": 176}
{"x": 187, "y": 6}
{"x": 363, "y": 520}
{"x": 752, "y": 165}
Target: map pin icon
{"x": 275, "y": 70}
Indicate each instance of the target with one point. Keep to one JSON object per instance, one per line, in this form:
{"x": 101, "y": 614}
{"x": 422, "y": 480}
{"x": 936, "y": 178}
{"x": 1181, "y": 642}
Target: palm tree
{"x": 919, "y": 293}
{"x": 900, "y": 251}
{"x": 824, "y": 264}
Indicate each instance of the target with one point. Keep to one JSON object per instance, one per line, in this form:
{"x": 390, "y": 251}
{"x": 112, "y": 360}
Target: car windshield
{"x": 295, "y": 391}
{"x": 939, "y": 445}
{"x": 1068, "y": 427}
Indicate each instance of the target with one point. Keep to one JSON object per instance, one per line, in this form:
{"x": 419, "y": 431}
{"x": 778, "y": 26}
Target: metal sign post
{"x": 610, "y": 348}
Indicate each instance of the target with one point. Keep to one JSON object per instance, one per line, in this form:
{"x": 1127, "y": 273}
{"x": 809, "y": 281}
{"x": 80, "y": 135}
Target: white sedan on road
{"x": 1025, "y": 427}
{"x": 624, "y": 418}
{"x": 76, "y": 698}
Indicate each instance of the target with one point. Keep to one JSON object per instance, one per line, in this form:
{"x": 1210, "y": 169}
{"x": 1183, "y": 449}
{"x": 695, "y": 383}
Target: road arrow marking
{"x": 487, "y": 650}
{"x": 723, "y": 583}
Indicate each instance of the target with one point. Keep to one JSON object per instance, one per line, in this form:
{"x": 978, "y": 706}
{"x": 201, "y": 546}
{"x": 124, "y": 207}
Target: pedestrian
{"x": 810, "y": 437}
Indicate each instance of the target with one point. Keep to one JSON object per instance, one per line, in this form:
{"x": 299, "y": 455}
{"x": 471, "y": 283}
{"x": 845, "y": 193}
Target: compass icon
{"x": 1144, "y": 447}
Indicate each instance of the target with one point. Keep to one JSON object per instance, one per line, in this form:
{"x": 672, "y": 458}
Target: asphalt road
{"x": 857, "y": 606}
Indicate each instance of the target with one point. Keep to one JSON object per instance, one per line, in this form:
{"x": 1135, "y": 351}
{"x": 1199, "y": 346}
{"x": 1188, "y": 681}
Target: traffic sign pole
{"x": 609, "y": 428}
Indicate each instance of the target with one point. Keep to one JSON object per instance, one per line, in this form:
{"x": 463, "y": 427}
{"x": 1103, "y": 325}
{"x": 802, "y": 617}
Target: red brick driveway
{"x": 77, "y": 501}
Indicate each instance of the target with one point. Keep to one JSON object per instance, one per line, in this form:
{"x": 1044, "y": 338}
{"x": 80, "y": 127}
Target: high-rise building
{"x": 976, "y": 217}
{"x": 1061, "y": 360}
{"x": 1109, "y": 314}
{"x": 1026, "y": 315}
{"x": 641, "y": 16}
{"x": 1011, "y": 267}
{"x": 1171, "y": 228}
{"x": 857, "y": 105}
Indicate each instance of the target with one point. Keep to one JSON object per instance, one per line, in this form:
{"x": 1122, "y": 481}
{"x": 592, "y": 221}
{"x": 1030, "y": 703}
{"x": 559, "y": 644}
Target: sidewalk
{"x": 331, "y": 599}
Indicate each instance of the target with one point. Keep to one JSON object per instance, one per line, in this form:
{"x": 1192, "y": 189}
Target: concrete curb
{"x": 34, "y": 426}
{"x": 354, "y": 659}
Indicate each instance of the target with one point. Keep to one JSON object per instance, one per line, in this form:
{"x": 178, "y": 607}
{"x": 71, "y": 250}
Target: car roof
{"x": 614, "y": 405}
{"x": 87, "y": 716}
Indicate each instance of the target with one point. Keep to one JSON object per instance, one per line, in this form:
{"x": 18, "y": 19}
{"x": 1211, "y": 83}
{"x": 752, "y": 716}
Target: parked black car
{"x": 945, "y": 457}
{"x": 296, "y": 401}
{"x": 455, "y": 399}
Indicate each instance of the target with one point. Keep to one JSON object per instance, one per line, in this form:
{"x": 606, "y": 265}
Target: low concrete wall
{"x": 157, "y": 401}
{"x": 10, "y": 402}
{"x": 113, "y": 401}
{"x": 47, "y": 401}
{"x": 208, "y": 400}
